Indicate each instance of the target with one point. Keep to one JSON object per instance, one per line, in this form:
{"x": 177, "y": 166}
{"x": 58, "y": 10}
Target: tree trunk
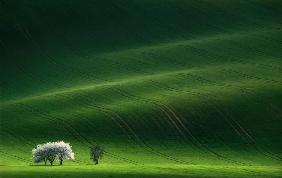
{"x": 61, "y": 162}
{"x": 96, "y": 161}
{"x": 45, "y": 161}
{"x": 51, "y": 160}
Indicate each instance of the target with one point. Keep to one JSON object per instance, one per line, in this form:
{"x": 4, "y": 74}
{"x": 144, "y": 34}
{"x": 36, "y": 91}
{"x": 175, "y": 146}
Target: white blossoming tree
{"x": 64, "y": 151}
{"x": 39, "y": 154}
{"x": 52, "y": 150}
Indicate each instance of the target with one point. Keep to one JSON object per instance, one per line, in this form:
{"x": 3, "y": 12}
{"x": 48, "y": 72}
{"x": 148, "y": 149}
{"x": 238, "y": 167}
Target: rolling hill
{"x": 170, "y": 88}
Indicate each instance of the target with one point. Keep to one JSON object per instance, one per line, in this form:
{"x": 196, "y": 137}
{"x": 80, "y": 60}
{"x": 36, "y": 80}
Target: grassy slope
{"x": 163, "y": 85}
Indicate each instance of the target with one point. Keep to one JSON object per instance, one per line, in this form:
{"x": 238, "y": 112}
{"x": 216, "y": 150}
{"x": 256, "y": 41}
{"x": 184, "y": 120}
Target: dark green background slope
{"x": 169, "y": 81}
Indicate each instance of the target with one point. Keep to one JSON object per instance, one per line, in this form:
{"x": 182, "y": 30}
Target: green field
{"x": 169, "y": 88}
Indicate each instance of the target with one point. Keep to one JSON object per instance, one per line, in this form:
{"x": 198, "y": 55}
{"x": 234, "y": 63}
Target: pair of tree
{"x": 51, "y": 151}
{"x": 62, "y": 151}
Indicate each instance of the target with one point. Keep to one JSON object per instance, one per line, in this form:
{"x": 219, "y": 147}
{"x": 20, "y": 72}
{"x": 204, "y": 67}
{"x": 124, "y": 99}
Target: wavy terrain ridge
{"x": 168, "y": 83}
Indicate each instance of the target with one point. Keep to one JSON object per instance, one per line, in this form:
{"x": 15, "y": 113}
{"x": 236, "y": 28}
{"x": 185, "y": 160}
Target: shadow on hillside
{"x": 41, "y": 165}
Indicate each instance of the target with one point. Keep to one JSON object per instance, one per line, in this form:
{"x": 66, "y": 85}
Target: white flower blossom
{"x": 51, "y": 151}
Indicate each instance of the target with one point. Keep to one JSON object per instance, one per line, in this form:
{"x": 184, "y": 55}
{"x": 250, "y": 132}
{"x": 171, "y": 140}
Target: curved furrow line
{"x": 215, "y": 57}
{"x": 200, "y": 51}
{"x": 16, "y": 136}
{"x": 222, "y": 156}
{"x": 127, "y": 128}
{"x": 207, "y": 96}
{"x": 178, "y": 129}
{"x": 28, "y": 142}
{"x": 224, "y": 116}
{"x": 219, "y": 156}
{"x": 18, "y": 158}
{"x": 79, "y": 138}
{"x": 204, "y": 146}
{"x": 138, "y": 139}
{"x": 161, "y": 107}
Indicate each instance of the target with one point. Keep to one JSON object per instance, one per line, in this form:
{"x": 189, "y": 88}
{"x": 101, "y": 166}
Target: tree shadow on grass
{"x": 41, "y": 165}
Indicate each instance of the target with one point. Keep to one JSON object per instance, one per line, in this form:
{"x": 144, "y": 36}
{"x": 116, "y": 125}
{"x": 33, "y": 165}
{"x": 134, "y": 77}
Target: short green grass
{"x": 150, "y": 170}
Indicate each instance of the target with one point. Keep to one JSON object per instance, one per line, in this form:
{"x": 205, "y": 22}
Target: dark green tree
{"x": 96, "y": 153}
